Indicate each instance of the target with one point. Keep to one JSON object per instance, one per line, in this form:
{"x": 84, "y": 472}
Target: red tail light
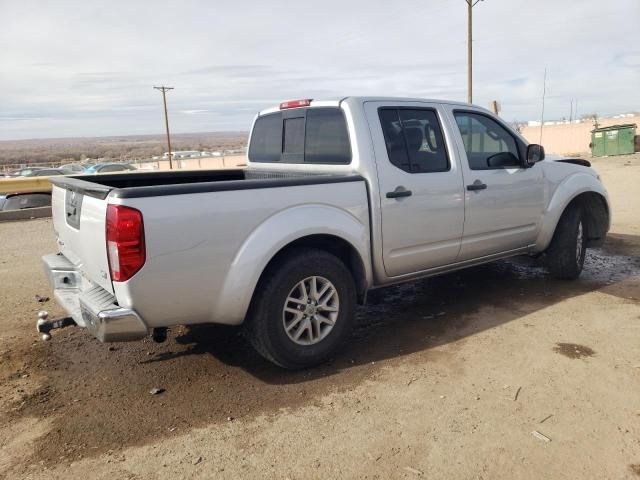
{"x": 295, "y": 104}
{"x": 125, "y": 242}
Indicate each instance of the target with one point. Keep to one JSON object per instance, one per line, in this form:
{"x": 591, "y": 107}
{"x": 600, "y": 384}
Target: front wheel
{"x": 566, "y": 253}
{"x": 303, "y": 309}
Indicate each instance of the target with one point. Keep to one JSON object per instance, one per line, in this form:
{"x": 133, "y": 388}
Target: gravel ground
{"x": 494, "y": 372}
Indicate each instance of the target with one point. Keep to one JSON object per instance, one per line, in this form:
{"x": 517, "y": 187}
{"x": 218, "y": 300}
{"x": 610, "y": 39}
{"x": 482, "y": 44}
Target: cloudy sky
{"x": 87, "y": 68}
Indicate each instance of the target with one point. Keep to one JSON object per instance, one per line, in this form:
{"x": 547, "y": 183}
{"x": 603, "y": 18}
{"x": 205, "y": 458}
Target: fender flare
{"x": 570, "y": 188}
{"x": 270, "y": 237}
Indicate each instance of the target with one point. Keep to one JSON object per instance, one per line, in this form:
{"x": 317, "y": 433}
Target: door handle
{"x": 399, "y": 192}
{"x": 477, "y": 185}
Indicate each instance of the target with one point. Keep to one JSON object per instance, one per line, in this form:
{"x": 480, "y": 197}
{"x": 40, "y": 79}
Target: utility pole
{"x": 470, "y": 5}
{"x": 164, "y": 89}
{"x": 544, "y": 92}
{"x": 571, "y": 111}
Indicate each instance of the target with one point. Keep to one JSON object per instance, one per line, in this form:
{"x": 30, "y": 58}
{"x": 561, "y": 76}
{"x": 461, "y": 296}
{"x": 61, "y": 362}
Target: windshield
{"x": 28, "y": 200}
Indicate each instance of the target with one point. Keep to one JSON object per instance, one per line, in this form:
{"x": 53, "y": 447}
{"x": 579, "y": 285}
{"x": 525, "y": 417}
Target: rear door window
{"x": 312, "y": 135}
{"x": 414, "y": 140}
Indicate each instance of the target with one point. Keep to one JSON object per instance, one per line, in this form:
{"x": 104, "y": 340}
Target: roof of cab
{"x": 336, "y": 102}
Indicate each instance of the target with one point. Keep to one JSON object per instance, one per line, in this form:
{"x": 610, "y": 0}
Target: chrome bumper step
{"x": 89, "y": 305}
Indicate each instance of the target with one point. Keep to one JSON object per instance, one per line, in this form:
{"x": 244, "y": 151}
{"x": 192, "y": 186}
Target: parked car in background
{"x": 24, "y": 172}
{"x": 47, "y": 172}
{"x": 71, "y": 168}
{"x": 110, "y": 168}
{"x": 20, "y": 201}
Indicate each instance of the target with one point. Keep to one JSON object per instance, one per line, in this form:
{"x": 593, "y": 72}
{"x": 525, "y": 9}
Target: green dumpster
{"x": 613, "y": 140}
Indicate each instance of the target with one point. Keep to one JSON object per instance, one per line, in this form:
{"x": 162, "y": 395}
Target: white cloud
{"x": 72, "y": 67}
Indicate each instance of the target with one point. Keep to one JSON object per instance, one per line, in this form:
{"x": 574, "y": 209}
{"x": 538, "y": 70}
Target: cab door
{"x": 504, "y": 199}
{"x": 420, "y": 185}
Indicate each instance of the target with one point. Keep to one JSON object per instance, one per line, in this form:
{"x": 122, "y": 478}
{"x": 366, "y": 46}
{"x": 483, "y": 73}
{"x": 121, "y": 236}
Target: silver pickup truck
{"x": 339, "y": 197}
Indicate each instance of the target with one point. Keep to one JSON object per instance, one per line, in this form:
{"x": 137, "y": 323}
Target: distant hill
{"x": 57, "y": 150}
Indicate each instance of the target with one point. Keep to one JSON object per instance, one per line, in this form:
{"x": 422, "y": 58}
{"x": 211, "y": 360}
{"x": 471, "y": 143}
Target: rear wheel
{"x": 566, "y": 253}
{"x": 303, "y": 309}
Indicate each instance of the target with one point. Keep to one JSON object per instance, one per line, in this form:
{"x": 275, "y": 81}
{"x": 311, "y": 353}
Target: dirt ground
{"x": 494, "y": 372}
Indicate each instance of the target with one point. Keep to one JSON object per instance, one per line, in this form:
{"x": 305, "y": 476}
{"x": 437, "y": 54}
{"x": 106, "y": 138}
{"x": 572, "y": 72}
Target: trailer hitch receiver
{"x": 44, "y": 325}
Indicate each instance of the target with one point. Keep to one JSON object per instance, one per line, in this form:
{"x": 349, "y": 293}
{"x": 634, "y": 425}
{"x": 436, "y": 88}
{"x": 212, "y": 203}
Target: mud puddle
{"x": 573, "y": 350}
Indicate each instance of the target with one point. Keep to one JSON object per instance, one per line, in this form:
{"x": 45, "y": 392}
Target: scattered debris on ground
{"x": 546, "y": 418}
{"x": 540, "y": 436}
{"x": 415, "y": 471}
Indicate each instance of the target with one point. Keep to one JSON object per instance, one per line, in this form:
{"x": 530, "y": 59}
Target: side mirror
{"x": 535, "y": 153}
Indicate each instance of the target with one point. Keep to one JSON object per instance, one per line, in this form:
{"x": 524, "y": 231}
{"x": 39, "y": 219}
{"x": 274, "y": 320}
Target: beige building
{"x": 572, "y": 138}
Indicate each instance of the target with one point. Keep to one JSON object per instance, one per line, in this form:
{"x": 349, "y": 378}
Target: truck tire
{"x": 303, "y": 309}
{"x": 565, "y": 255}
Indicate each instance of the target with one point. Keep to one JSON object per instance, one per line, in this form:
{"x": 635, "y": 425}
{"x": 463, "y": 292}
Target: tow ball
{"x": 44, "y": 326}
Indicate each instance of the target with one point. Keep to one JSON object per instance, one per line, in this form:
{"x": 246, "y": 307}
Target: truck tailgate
{"x": 79, "y": 224}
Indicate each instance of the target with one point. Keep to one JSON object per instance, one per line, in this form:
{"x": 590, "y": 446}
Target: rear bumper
{"x": 90, "y": 305}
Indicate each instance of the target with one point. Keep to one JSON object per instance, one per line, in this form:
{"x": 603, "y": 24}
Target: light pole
{"x": 164, "y": 89}
{"x": 470, "y": 5}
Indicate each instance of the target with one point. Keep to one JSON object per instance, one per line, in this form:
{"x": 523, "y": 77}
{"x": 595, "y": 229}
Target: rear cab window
{"x": 266, "y": 139}
{"x": 315, "y": 135}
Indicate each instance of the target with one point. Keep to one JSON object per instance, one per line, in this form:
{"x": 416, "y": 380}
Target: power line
{"x": 164, "y": 90}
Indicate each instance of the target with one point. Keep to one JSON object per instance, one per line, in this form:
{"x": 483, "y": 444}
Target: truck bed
{"x": 207, "y": 238}
{"x": 153, "y": 184}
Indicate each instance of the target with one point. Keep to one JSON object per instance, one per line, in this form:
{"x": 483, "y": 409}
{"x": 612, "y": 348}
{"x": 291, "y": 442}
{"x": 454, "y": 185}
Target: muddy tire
{"x": 566, "y": 253}
{"x": 303, "y": 309}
